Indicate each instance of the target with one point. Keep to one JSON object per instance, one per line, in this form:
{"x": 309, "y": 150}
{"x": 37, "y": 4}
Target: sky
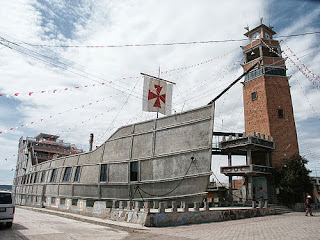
{"x": 65, "y": 83}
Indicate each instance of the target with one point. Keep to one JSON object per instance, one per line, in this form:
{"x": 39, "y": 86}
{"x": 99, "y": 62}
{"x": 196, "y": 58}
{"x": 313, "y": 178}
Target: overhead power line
{"x": 158, "y": 44}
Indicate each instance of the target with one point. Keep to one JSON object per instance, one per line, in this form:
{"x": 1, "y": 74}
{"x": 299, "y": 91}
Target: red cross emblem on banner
{"x": 158, "y": 96}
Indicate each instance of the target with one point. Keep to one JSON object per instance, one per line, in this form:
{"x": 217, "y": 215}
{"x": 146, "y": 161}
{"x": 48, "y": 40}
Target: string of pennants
{"x": 309, "y": 71}
{"x": 51, "y": 116}
{"x": 90, "y": 119}
{"x": 82, "y": 106}
{"x": 198, "y": 64}
{"x": 200, "y": 86}
{"x": 93, "y": 85}
{"x": 296, "y": 65}
{"x": 32, "y": 93}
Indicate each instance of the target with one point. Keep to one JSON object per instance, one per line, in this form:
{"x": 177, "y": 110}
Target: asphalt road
{"x": 36, "y": 225}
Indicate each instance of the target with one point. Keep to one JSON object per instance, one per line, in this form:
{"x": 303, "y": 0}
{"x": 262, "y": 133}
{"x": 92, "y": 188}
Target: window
{"x": 275, "y": 71}
{"x": 67, "y": 174}
{"x": 253, "y": 74}
{"x": 134, "y": 171}
{"x": 103, "y": 172}
{"x": 254, "y": 96}
{"x": 43, "y": 175}
{"x": 35, "y": 177}
{"x": 275, "y": 52}
{"x": 280, "y": 113}
{"x": 53, "y": 175}
{"x": 253, "y": 54}
{"x": 5, "y": 198}
{"x": 77, "y": 174}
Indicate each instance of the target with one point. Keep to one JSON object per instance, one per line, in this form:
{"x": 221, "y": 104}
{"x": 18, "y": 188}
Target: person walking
{"x": 308, "y": 206}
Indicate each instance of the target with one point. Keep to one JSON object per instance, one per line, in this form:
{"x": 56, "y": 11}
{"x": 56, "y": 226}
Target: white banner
{"x": 157, "y": 96}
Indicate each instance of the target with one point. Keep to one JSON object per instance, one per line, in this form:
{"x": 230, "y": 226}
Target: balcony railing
{"x": 242, "y": 170}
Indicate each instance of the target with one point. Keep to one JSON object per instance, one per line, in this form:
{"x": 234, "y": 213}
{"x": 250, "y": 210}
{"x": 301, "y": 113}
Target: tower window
{"x": 274, "y": 71}
{"x": 253, "y": 74}
{"x": 252, "y": 54}
{"x": 103, "y": 173}
{"x": 267, "y": 52}
{"x": 134, "y": 171}
{"x": 254, "y": 96}
{"x": 280, "y": 113}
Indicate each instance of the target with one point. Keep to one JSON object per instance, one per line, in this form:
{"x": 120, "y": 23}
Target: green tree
{"x": 293, "y": 180}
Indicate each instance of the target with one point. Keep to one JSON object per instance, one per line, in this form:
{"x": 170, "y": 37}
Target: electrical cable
{"x": 167, "y": 193}
{"x": 66, "y": 67}
{"x": 159, "y": 44}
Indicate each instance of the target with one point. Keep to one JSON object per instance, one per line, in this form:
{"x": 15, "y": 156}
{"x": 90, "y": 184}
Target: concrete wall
{"x": 153, "y": 214}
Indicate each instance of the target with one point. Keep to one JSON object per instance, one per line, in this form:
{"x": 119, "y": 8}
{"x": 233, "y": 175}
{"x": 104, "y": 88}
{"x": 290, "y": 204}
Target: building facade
{"x": 42, "y": 148}
{"x": 266, "y": 92}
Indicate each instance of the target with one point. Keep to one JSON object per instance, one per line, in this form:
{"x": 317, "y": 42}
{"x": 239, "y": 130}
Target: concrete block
{"x": 114, "y": 204}
{"x": 121, "y": 204}
{"x": 146, "y": 207}
{"x": 137, "y": 206}
{"x": 196, "y": 206}
{"x": 58, "y": 202}
{"x": 129, "y": 205}
{"x": 206, "y": 206}
{"x": 174, "y": 206}
{"x": 162, "y": 208}
{"x": 82, "y": 205}
{"x": 68, "y": 203}
{"x": 100, "y": 206}
{"x": 185, "y": 207}
{"x": 48, "y": 201}
{"x": 155, "y": 204}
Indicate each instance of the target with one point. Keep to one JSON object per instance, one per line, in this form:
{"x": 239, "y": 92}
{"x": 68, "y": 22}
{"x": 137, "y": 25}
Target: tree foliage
{"x": 293, "y": 180}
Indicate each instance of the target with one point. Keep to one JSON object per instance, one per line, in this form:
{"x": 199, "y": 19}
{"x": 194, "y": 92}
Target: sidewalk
{"x": 129, "y": 227}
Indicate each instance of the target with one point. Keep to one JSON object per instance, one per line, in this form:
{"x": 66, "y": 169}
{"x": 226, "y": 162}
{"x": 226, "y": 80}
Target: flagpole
{"x": 159, "y": 78}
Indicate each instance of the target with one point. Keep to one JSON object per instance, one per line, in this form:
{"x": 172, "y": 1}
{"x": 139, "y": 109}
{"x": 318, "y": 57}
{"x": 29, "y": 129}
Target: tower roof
{"x": 260, "y": 26}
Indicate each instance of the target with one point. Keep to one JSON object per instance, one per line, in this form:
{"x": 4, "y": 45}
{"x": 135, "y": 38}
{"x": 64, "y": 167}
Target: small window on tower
{"x": 280, "y": 113}
{"x": 254, "y": 96}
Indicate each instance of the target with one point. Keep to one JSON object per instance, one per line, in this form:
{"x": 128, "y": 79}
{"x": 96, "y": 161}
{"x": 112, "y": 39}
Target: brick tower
{"x": 266, "y": 93}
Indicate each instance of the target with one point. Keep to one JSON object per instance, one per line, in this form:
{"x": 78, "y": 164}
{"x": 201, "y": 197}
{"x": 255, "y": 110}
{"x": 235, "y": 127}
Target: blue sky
{"x": 83, "y": 22}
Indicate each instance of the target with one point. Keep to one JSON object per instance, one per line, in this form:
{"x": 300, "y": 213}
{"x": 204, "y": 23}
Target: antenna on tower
{"x": 261, "y": 19}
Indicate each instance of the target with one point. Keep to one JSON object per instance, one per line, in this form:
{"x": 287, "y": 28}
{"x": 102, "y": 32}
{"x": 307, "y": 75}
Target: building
{"x": 266, "y": 93}
{"x": 270, "y": 133}
{"x": 154, "y": 160}
{"x": 40, "y": 149}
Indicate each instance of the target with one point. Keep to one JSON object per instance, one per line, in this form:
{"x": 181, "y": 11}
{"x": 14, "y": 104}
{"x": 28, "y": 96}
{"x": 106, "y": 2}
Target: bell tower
{"x": 266, "y": 94}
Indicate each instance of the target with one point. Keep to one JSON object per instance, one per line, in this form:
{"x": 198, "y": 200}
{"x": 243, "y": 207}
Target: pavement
{"x": 30, "y": 224}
